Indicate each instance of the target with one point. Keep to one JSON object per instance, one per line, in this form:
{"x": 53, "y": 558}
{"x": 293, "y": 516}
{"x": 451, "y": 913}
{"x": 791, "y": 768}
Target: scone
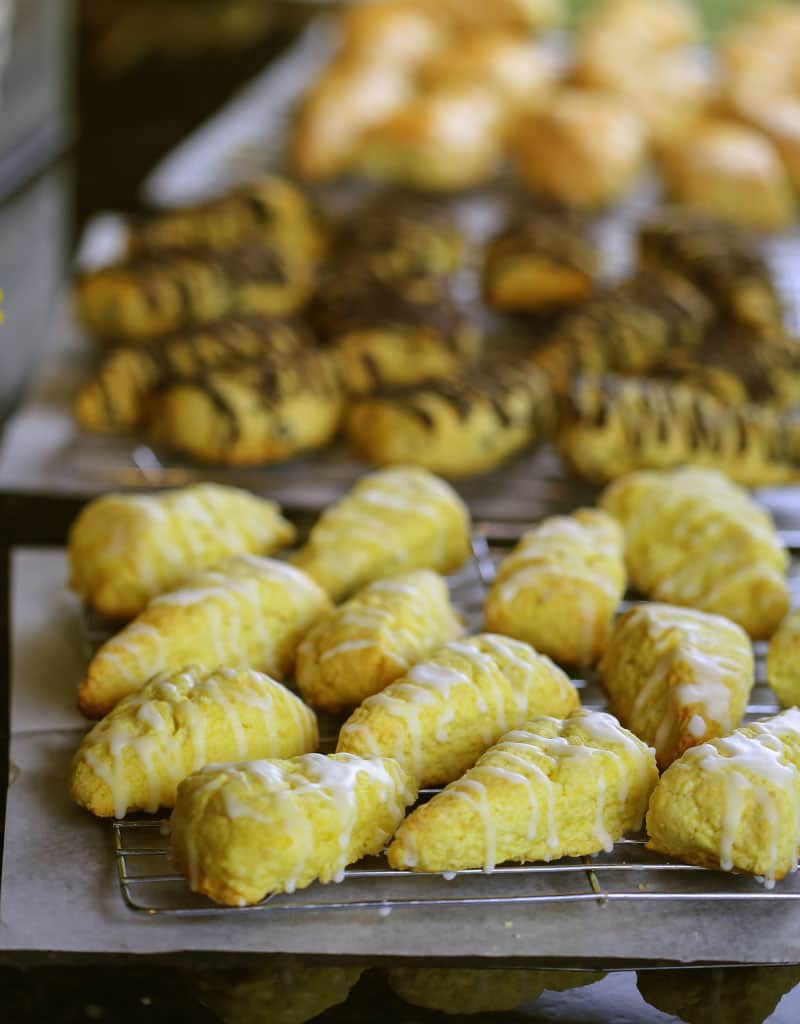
{"x": 397, "y": 34}
{"x": 134, "y": 759}
{"x": 253, "y": 414}
{"x": 249, "y": 611}
{"x": 470, "y": 423}
{"x": 521, "y": 16}
{"x": 391, "y": 521}
{"x": 734, "y": 803}
{"x": 374, "y": 638}
{"x": 693, "y": 538}
{"x": 243, "y": 831}
{"x": 677, "y": 677}
{"x": 441, "y": 716}
{"x": 543, "y": 260}
{"x": 650, "y": 25}
{"x": 161, "y": 292}
{"x": 585, "y": 150}
{"x": 125, "y": 549}
{"x": 559, "y": 588}
{"x": 551, "y": 788}
{"x": 783, "y": 661}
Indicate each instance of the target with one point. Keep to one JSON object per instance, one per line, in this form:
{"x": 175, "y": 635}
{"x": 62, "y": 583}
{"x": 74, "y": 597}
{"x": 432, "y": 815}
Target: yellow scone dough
{"x": 734, "y": 803}
{"x": 783, "y": 661}
{"x": 249, "y": 611}
{"x": 559, "y": 588}
{"x": 442, "y": 715}
{"x": 374, "y": 638}
{"x": 677, "y": 677}
{"x": 391, "y": 521}
{"x": 126, "y": 548}
{"x": 694, "y": 538}
{"x": 553, "y": 788}
{"x": 134, "y": 759}
{"x": 241, "y": 831}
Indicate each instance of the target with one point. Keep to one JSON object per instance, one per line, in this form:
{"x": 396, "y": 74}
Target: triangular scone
{"x": 374, "y": 638}
{"x": 693, "y": 538}
{"x": 676, "y": 676}
{"x": 734, "y": 803}
{"x": 392, "y": 521}
{"x": 127, "y": 548}
{"x": 559, "y": 588}
{"x": 442, "y": 715}
{"x": 554, "y": 788}
{"x": 134, "y": 759}
{"x": 241, "y": 831}
{"x": 249, "y": 611}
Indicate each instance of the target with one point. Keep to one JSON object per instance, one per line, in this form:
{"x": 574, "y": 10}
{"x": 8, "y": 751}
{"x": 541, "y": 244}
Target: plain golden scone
{"x": 783, "y": 661}
{"x": 693, "y": 538}
{"x": 391, "y": 521}
{"x": 549, "y": 789}
{"x": 442, "y": 715}
{"x": 134, "y": 759}
{"x": 249, "y": 611}
{"x": 374, "y": 638}
{"x": 559, "y": 588}
{"x": 586, "y": 149}
{"x": 243, "y": 831}
{"x": 125, "y": 549}
{"x": 677, "y": 677}
{"x": 651, "y": 26}
{"x": 734, "y": 803}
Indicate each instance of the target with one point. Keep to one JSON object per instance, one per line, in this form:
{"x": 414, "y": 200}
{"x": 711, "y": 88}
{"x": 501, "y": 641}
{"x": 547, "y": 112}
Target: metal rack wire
{"x": 628, "y": 873}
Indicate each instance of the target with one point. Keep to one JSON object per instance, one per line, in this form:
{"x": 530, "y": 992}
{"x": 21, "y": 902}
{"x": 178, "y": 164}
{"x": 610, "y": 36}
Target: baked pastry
{"x": 391, "y": 521}
{"x": 551, "y": 788}
{"x": 466, "y": 424}
{"x": 512, "y": 15}
{"x": 693, "y": 538}
{"x": 125, "y": 549}
{"x": 779, "y": 120}
{"x": 174, "y": 289}
{"x": 651, "y": 26}
{"x": 268, "y": 208}
{"x": 249, "y": 611}
{"x": 395, "y": 34}
{"x": 758, "y": 58}
{"x": 746, "y": 995}
{"x": 374, "y": 638}
{"x": 731, "y": 171}
{"x": 723, "y": 260}
{"x": 441, "y": 716}
{"x": 243, "y": 831}
{"x": 256, "y": 413}
{"x": 585, "y": 149}
{"x": 559, "y": 588}
{"x": 116, "y": 397}
{"x": 614, "y": 425}
{"x": 734, "y": 803}
{"x": 677, "y": 677}
{"x": 543, "y": 260}
{"x": 783, "y": 661}
{"x": 134, "y": 759}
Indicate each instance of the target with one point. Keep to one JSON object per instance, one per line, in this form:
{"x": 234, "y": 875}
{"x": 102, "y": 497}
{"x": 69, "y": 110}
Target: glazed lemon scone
{"x": 734, "y": 803}
{"x": 551, "y": 788}
{"x": 693, "y": 538}
{"x": 391, "y": 521}
{"x": 677, "y": 677}
{"x": 783, "y": 661}
{"x": 559, "y": 588}
{"x": 243, "y": 831}
{"x": 125, "y": 549}
{"x": 134, "y": 759}
{"x": 374, "y": 638}
{"x": 248, "y": 611}
{"x": 442, "y": 715}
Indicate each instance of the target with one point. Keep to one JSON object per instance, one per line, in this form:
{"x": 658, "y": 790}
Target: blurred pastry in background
{"x": 542, "y": 260}
{"x": 400, "y": 34}
{"x": 586, "y": 149}
{"x": 783, "y": 661}
{"x": 512, "y": 15}
{"x": 759, "y": 59}
{"x": 779, "y": 120}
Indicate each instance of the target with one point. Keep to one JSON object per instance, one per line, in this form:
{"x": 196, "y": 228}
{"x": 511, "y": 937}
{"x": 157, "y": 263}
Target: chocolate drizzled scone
{"x": 116, "y": 398}
{"x": 467, "y": 424}
{"x": 256, "y": 413}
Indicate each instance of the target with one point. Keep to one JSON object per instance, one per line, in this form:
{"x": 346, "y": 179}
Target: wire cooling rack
{"x": 630, "y": 872}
